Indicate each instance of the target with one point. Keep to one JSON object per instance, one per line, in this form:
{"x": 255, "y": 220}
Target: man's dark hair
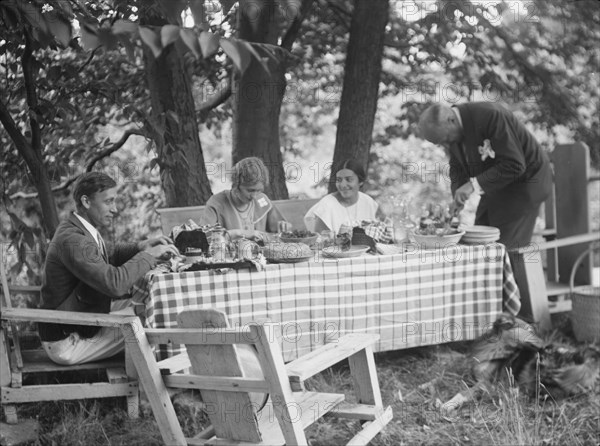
{"x": 90, "y": 183}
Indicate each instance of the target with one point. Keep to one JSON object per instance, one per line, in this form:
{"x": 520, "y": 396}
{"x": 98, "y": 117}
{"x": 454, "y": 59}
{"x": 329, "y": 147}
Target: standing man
{"x": 492, "y": 153}
{"x": 80, "y": 275}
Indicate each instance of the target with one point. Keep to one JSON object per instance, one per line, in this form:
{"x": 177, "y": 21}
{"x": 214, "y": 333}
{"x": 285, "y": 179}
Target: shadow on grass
{"x": 412, "y": 381}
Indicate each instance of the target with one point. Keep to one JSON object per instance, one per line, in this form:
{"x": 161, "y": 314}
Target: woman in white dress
{"x": 347, "y": 206}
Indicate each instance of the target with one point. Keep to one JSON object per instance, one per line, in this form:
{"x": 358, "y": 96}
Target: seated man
{"x": 79, "y": 275}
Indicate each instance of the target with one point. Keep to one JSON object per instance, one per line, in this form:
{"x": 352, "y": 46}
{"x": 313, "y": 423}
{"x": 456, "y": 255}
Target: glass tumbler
{"x": 284, "y": 226}
{"x": 327, "y": 238}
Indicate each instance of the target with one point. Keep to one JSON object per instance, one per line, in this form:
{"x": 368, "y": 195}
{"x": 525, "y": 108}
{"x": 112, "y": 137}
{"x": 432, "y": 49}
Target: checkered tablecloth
{"x": 412, "y": 299}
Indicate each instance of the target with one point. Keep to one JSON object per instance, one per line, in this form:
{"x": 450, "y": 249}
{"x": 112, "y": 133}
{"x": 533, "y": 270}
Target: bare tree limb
{"x": 400, "y": 46}
{"x": 509, "y": 42}
{"x": 28, "y": 76}
{"x": 61, "y": 187}
{"x": 292, "y": 32}
{"x": 216, "y": 100}
{"x": 84, "y": 10}
{"x": 89, "y": 59}
{"x": 99, "y": 156}
{"x": 342, "y": 13}
{"x": 552, "y": 91}
{"x": 15, "y": 134}
{"x": 112, "y": 149}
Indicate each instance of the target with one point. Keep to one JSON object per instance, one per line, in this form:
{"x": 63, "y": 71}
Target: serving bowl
{"x": 309, "y": 240}
{"x": 437, "y": 241}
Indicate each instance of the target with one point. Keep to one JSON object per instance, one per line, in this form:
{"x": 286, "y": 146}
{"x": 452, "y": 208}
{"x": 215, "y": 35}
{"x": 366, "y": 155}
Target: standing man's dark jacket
{"x": 77, "y": 270}
{"x": 517, "y": 179}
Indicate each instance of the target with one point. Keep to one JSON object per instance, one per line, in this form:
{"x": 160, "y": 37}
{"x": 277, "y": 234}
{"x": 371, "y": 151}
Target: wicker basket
{"x": 585, "y": 313}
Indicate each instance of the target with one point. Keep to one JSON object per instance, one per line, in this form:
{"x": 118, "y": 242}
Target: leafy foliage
{"x": 536, "y": 56}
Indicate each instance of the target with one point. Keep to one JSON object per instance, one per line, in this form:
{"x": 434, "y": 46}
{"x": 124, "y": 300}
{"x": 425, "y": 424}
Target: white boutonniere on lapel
{"x": 486, "y": 150}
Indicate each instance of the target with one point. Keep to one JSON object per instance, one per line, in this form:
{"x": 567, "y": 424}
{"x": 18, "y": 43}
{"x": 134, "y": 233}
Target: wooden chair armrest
{"x": 174, "y": 364}
{"x": 328, "y": 355}
{"x": 560, "y": 242}
{"x": 65, "y": 317}
{"x": 298, "y": 370}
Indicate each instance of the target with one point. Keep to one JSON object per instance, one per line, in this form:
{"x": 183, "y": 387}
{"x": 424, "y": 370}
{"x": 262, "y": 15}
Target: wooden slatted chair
{"x": 16, "y": 363}
{"x": 233, "y": 397}
{"x": 544, "y": 286}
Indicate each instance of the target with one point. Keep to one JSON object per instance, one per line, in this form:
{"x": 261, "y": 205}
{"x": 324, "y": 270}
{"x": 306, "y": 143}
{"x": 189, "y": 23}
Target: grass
{"x": 413, "y": 382}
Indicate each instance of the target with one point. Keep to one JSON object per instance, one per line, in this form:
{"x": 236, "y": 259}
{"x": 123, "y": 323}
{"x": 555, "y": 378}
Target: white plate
{"x": 336, "y": 252}
{"x": 481, "y": 237}
{"x": 478, "y": 241}
{"x": 386, "y": 249}
{"x": 481, "y": 230}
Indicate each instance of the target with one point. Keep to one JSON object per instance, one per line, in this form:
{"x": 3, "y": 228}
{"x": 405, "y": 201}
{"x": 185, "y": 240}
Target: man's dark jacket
{"x": 518, "y": 179}
{"x": 75, "y": 267}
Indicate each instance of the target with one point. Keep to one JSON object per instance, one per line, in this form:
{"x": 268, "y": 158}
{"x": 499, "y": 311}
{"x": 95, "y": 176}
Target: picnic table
{"x": 411, "y": 299}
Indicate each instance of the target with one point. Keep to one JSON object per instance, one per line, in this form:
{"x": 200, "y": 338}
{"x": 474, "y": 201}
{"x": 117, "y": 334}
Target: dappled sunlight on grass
{"x": 412, "y": 381}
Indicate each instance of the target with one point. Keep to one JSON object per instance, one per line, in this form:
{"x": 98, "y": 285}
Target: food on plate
{"x": 279, "y": 251}
{"x": 344, "y": 240}
{"x": 436, "y": 220}
{"x": 298, "y": 236}
{"x": 297, "y": 233}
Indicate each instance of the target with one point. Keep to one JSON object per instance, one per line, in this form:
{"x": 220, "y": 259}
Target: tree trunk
{"x": 37, "y": 172}
{"x": 361, "y": 82}
{"x": 43, "y": 186}
{"x": 182, "y": 168}
{"x": 257, "y": 99}
{"x": 31, "y": 150}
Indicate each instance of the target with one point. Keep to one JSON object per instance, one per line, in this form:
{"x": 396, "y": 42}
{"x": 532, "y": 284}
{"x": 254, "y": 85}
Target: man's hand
{"x": 162, "y": 252}
{"x": 161, "y": 240}
{"x": 256, "y": 236}
{"x": 455, "y": 209}
{"x": 462, "y": 194}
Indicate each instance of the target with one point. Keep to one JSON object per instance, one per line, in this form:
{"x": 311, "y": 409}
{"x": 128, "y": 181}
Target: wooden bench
{"x": 18, "y": 362}
{"x": 545, "y": 286}
{"x": 567, "y": 214}
{"x": 119, "y": 379}
{"x": 533, "y": 285}
{"x": 292, "y": 210}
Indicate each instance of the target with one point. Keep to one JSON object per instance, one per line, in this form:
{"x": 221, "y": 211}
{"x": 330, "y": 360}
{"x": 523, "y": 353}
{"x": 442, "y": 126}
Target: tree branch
{"x": 400, "y": 46}
{"x": 551, "y": 90}
{"x": 112, "y": 149}
{"x": 15, "y": 134}
{"x": 342, "y": 14}
{"x": 292, "y": 33}
{"x": 509, "y": 42}
{"x": 84, "y": 10}
{"x": 59, "y": 188}
{"x": 222, "y": 95}
{"x": 63, "y": 186}
{"x": 28, "y": 76}
{"x": 89, "y": 59}
{"x": 23, "y": 146}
